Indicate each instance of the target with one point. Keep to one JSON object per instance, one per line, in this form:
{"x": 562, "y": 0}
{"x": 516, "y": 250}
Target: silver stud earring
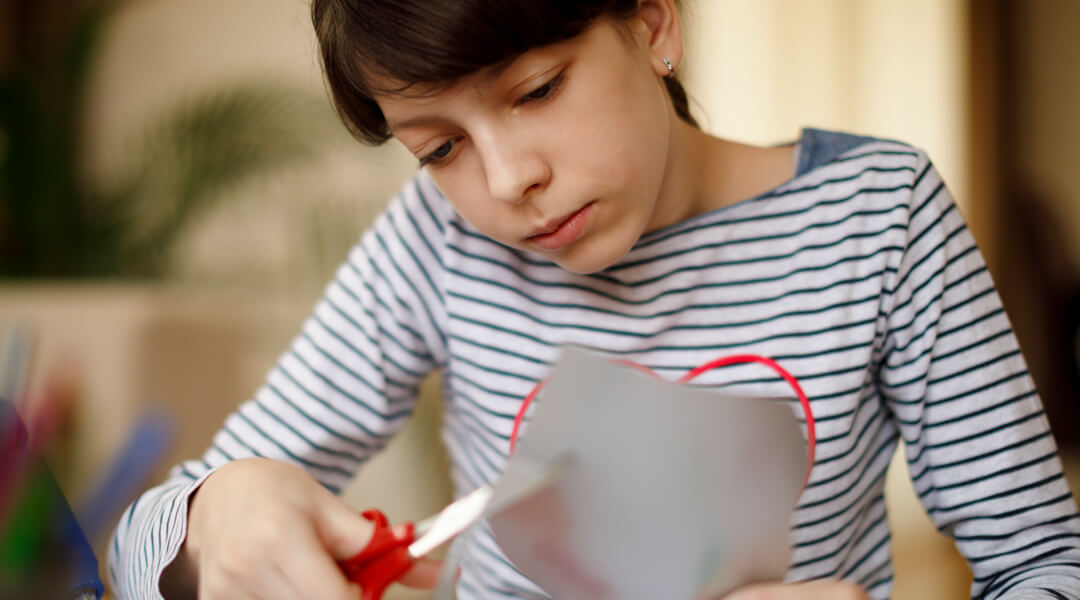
{"x": 670, "y": 67}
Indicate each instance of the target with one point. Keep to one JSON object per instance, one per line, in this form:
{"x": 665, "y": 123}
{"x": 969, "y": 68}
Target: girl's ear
{"x": 661, "y": 17}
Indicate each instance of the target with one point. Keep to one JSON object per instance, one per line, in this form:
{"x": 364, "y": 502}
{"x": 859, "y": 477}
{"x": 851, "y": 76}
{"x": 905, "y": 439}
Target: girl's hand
{"x": 259, "y": 528}
{"x": 812, "y": 590}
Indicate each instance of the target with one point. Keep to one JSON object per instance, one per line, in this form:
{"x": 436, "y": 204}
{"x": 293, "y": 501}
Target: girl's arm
{"x": 978, "y": 445}
{"x": 337, "y": 395}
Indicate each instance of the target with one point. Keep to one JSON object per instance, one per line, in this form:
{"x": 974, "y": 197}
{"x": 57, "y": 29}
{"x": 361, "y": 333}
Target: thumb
{"x": 345, "y": 532}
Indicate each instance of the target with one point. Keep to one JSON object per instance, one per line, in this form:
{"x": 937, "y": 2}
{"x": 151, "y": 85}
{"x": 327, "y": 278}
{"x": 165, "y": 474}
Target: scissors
{"x": 392, "y": 551}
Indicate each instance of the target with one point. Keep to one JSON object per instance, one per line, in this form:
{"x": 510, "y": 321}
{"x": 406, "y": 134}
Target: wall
{"x": 1039, "y": 189}
{"x": 1046, "y": 123}
{"x": 159, "y": 55}
{"x": 761, "y": 70}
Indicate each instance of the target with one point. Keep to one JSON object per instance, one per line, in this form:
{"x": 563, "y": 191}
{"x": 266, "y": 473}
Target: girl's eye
{"x": 439, "y": 154}
{"x": 543, "y": 91}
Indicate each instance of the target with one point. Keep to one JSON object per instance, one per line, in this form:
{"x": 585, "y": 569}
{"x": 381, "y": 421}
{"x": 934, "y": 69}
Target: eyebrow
{"x": 491, "y": 74}
{"x": 421, "y": 121}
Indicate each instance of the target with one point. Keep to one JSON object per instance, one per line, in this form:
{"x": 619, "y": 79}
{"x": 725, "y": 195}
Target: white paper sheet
{"x": 669, "y": 491}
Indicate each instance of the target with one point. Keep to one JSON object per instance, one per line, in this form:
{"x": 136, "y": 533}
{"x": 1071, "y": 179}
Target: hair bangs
{"x": 435, "y": 42}
{"x": 418, "y": 47}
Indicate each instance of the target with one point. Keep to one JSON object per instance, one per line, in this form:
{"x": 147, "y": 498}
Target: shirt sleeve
{"x": 978, "y": 444}
{"x": 345, "y": 385}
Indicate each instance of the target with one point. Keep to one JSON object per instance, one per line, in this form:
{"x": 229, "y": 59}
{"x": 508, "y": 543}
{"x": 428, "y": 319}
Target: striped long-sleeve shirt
{"x": 858, "y": 275}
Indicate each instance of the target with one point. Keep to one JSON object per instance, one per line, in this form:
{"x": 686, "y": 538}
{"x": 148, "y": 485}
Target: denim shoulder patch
{"x": 820, "y": 147}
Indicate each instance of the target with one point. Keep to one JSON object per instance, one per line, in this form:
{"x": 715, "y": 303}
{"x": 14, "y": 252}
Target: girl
{"x": 567, "y": 197}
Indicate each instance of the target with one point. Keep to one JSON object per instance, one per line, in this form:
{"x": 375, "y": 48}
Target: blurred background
{"x": 175, "y": 191}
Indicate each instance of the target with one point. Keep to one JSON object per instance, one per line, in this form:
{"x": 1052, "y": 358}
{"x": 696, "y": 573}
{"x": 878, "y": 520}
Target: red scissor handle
{"x": 384, "y": 560}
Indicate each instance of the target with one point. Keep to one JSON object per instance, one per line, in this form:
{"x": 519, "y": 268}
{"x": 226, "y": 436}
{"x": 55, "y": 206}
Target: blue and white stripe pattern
{"x": 858, "y": 275}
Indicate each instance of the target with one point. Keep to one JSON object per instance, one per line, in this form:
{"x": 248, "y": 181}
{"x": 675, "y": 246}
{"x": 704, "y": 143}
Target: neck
{"x": 683, "y": 184}
{"x": 705, "y": 173}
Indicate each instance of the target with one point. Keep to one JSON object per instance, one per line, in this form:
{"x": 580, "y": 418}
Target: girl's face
{"x": 563, "y": 152}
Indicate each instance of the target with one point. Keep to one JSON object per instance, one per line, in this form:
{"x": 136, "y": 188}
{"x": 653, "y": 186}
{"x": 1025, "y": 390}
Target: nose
{"x": 514, "y": 167}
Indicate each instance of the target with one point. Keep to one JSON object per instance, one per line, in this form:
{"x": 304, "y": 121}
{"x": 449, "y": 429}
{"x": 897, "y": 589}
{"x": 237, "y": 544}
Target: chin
{"x": 585, "y": 261}
{"x": 580, "y": 269}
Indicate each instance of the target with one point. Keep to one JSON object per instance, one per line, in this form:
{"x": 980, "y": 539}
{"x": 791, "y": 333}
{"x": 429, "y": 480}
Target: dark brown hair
{"x": 438, "y": 41}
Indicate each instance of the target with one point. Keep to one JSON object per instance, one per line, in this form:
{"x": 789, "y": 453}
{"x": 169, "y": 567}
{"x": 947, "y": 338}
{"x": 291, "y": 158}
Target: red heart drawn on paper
{"x": 811, "y": 436}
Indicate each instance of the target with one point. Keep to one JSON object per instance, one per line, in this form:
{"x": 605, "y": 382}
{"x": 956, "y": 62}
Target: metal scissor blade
{"x": 460, "y": 514}
{"x": 450, "y": 521}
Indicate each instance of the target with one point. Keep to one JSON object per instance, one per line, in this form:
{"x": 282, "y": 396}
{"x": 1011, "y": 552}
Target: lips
{"x": 566, "y": 231}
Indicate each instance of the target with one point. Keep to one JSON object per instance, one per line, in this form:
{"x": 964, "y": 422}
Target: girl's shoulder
{"x": 821, "y": 148}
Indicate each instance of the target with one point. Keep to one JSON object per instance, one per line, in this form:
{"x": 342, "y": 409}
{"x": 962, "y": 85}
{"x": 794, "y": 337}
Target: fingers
{"x": 424, "y": 574}
{"x": 316, "y": 574}
{"x": 341, "y": 528}
{"x": 344, "y": 532}
{"x": 242, "y": 572}
{"x": 287, "y": 544}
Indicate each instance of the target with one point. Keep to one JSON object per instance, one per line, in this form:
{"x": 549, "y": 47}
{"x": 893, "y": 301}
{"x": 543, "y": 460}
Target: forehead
{"x": 604, "y": 39}
{"x": 391, "y": 92}
{"x": 386, "y": 86}
{"x": 401, "y": 101}
{"x": 412, "y": 105}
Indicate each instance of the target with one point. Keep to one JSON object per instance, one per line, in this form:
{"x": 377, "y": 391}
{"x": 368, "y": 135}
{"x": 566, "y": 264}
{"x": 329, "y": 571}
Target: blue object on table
{"x": 71, "y": 568}
{"x": 146, "y": 445}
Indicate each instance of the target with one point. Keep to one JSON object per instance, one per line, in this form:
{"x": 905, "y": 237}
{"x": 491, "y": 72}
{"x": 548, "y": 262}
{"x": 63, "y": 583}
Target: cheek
{"x": 620, "y": 139}
{"x": 466, "y": 190}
